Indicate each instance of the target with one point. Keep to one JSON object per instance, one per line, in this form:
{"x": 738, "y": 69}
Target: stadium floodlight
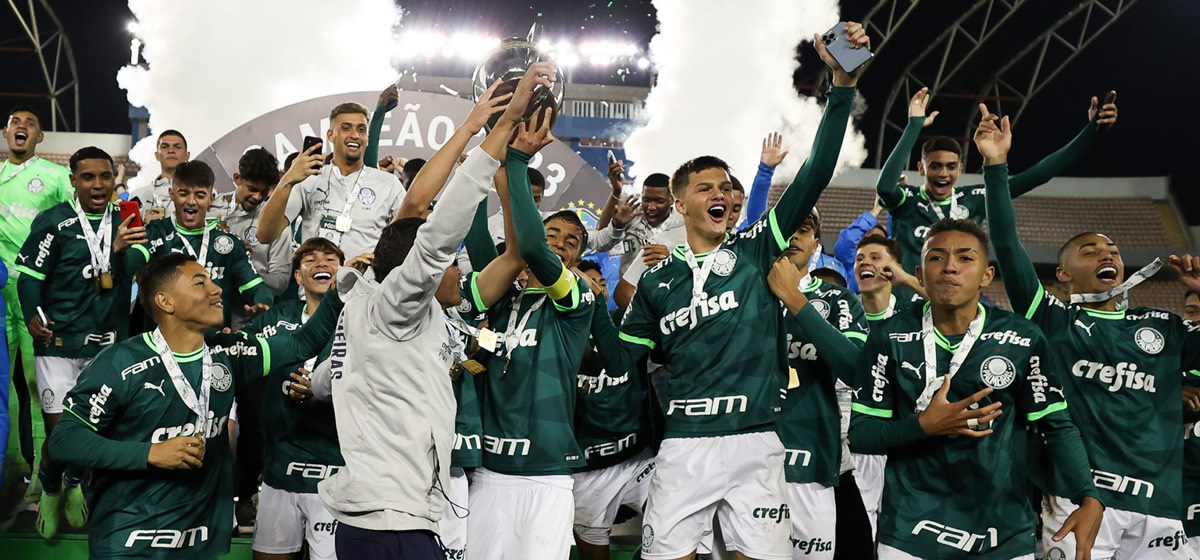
{"x": 470, "y": 46}
{"x": 132, "y": 26}
{"x": 643, "y": 63}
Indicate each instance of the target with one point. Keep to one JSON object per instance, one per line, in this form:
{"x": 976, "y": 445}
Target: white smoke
{"x": 725, "y": 81}
{"x": 215, "y": 64}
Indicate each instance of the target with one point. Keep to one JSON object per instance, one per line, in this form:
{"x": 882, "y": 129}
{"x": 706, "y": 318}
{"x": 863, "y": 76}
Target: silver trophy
{"x": 508, "y": 63}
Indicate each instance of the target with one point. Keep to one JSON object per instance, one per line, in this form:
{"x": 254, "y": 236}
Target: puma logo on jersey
{"x": 687, "y": 317}
{"x": 915, "y": 369}
{"x": 957, "y": 538}
{"x": 1125, "y": 375}
{"x": 1060, "y": 392}
{"x": 168, "y": 538}
{"x": 159, "y": 387}
{"x": 1086, "y": 328}
{"x": 23, "y": 258}
{"x": 666, "y": 285}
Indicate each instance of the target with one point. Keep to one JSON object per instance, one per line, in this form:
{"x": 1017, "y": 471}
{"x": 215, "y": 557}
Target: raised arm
{"x": 888, "y": 185}
{"x": 432, "y": 177}
{"x": 478, "y": 242}
{"x": 840, "y": 351}
{"x": 1020, "y": 278}
{"x": 615, "y": 171}
{"x": 300, "y": 345}
{"x": 846, "y": 247}
{"x": 801, "y": 195}
{"x": 497, "y": 276}
{"x": 273, "y": 219}
{"x": 1053, "y": 164}
{"x": 388, "y": 99}
{"x": 772, "y": 156}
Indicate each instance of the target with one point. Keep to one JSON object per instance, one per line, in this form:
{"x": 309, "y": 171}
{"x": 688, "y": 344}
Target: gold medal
{"x": 106, "y": 282}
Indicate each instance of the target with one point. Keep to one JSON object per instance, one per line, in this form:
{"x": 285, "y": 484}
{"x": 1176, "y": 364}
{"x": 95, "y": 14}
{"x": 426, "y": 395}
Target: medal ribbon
{"x": 932, "y": 382}
{"x": 198, "y": 405}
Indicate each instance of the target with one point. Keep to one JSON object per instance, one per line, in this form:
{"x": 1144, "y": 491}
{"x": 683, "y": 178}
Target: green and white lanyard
{"x": 197, "y": 404}
{"x": 932, "y": 382}
{"x": 1123, "y": 290}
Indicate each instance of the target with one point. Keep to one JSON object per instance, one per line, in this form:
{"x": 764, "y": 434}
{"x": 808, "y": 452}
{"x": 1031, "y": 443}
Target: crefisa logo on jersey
{"x": 997, "y": 372}
{"x": 821, "y": 306}
{"x": 223, "y": 245}
{"x": 221, "y": 378}
{"x": 723, "y": 262}
{"x": 1149, "y": 340}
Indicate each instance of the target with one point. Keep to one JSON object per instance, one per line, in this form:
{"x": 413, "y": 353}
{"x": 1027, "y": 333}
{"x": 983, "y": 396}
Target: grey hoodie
{"x": 389, "y": 375}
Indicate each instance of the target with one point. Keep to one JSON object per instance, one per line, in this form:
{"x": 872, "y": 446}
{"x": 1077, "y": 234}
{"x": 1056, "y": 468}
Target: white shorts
{"x": 1123, "y": 534}
{"x": 888, "y": 553}
{"x": 55, "y": 377}
{"x": 740, "y": 477}
{"x": 600, "y": 493}
{"x": 287, "y": 519}
{"x": 814, "y": 520}
{"x": 519, "y": 516}
{"x": 868, "y": 475}
{"x": 452, "y": 528}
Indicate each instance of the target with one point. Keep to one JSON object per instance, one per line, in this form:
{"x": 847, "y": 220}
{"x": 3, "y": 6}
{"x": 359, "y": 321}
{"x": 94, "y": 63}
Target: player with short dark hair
{"x": 726, "y": 380}
{"x": 913, "y": 209}
{"x": 221, "y": 253}
{"x": 74, "y": 277}
{"x": 148, "y": 416}
{"x": 299, "y": 444}
{"x": 1122, "y": 369}
{"x": 170, "y": 151}
{"x": 933, "y": 433}
{"x": 1191, "y": 305}
{"x": 825, "y": 331}
{"x": 241, "y": 210}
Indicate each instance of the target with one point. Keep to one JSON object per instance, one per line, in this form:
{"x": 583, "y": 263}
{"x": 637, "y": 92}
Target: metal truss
{"x": 938, "y": 64}
{"x": 882, "y": 20}
{"x": 1027, "y": 73}
{"x": 46, "y": 40}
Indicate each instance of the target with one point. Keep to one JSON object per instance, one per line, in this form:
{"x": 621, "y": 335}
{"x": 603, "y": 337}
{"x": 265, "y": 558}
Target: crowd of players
{"x": 441, "y": 395}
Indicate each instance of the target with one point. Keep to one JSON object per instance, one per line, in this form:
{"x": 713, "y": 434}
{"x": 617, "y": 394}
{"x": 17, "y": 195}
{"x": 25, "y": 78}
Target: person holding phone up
{"x": 347, "y": 203}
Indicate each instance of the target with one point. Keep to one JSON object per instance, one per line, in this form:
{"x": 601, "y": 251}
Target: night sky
{"x": 1146, "y": 56}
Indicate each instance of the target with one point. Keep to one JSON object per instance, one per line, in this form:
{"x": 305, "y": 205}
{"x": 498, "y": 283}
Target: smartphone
{"x": 131, "y": 208}
{"x": 612, "y": 158}
{"x": 310, "y": 141}
{"x": 1109, "y": 98}
{"x": 839, "y": 46}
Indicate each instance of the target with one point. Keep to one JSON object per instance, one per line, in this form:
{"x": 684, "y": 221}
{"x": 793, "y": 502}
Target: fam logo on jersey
{"x": 723, "y": 262}
{"x": 223, "y": 244}
{"x": 1149, "y": 340}
{"x": 366, "y": 196}
{"x": 821, "y": 306}
{"x": 997, "y": 372}
{"x": 36, "y": 186}
{"x": 221, "y": 378}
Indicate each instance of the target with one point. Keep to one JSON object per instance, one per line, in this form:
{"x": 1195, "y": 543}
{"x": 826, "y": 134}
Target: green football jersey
{"x": 1191, "y": 477}
{"x": 228, "y": 262}
{"x": 915, "y": 214}
{"x": 527, "y": 398}
{"x": 127, "y": 396}
{"x": 610, "y": 416}
{"x": 300, "y": 443}
{"x": 38, "y": 186}
{"x": 1122, "y": 375}
{"x": 86, "y": 318}
{"x": 726, "y": 353}
{"x": 468, "y": 425}
{"x": 810, "y": 426}
{"x": 959, "y": 497}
